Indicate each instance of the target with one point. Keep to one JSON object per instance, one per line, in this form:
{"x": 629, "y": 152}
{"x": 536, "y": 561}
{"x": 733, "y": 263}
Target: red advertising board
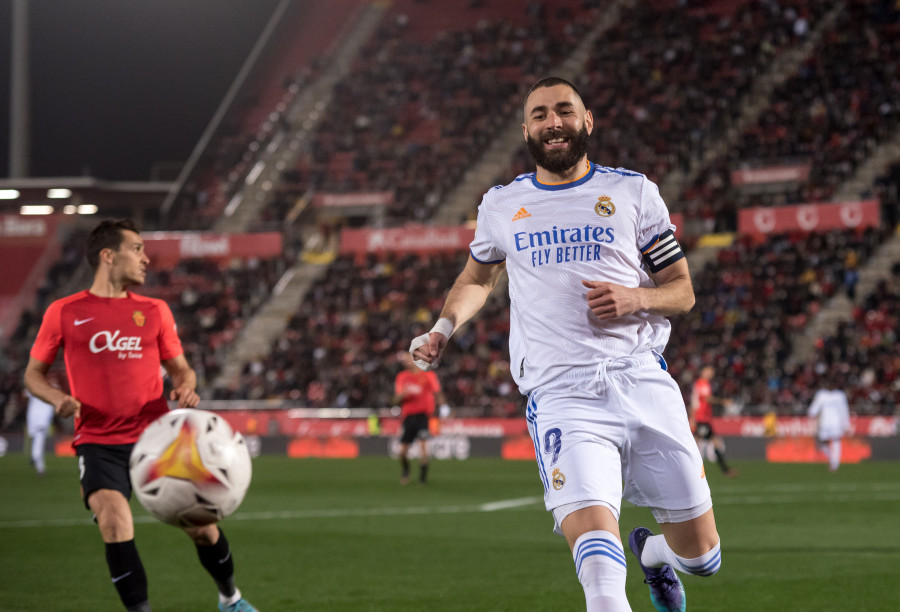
{"x": 363, "y": 198}
{"x": 290, "y": 423}
{"x": 770, "y": 174}
{"x": 26, "y": 229}
{"x": 27, "y": 250}
{"x": 808, "y": 217}
{"x": 802, "y": 427}
{"x": 409, "y": 238}
{"x": 166, "y": 249}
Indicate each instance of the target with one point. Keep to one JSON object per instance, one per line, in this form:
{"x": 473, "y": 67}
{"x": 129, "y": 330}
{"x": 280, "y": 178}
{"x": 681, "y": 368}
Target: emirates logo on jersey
{"x": 138, "y": 317}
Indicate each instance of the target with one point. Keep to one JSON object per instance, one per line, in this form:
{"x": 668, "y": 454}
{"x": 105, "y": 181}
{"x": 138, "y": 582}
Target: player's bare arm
{"x": 37, "y": 384}
{"x": 466, "y": 297}
{"x": 184, "y": 381}
{"x": 673, "y": 294}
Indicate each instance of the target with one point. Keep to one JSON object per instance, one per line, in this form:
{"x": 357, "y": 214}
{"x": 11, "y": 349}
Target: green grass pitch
{"x": 326, "y": 535}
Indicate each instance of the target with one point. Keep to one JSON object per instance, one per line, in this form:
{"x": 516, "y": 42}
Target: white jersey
{"x": 554, "y": 236}
{"x": 830, "y": 407}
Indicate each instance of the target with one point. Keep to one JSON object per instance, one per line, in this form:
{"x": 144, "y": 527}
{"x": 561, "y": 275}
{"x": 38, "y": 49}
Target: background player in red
{"x": 415, "y": 391}
{"x": 114, "y": 343}
{"x": 701, "y": 418}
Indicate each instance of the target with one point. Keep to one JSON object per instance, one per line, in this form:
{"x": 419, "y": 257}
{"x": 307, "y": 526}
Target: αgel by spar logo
{"x": 128, "y": 347}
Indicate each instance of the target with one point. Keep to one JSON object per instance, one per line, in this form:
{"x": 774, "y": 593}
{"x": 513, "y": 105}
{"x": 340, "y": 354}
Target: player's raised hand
{"x": 609, "y": 300}
{"x": 426, "y": 350}
{"x": 68, "y": 406}
{"x": 186, "y": 396}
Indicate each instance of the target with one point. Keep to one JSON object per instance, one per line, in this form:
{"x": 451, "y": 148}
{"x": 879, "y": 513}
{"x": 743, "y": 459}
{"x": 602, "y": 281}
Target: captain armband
{"x": 662, "y": 252}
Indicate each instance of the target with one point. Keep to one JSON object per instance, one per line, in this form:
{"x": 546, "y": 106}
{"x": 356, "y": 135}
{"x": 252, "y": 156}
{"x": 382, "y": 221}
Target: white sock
{"x": 37, "y": 449}
{"x": 600, "y": 565}
{"x": 657, "y": 553}
{"x": 230, "y": 600}
{"x": 834, "y": 454}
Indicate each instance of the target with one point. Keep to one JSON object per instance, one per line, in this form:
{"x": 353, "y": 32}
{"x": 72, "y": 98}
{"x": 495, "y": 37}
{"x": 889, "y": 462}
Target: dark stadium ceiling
{"x": 81, "y": 195}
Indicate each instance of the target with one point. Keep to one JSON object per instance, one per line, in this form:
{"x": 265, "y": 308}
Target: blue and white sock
{"x": 600, "y": 565}
{"x": 657, "y": 553}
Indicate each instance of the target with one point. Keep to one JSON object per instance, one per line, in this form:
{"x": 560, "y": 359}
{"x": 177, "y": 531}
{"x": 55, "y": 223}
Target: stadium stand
{"x": 423, "y": 101}
{"x": 838, "y": 106}
{"x": 211, "y": 302}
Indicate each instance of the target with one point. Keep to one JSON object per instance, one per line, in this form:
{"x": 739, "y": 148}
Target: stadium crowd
{"x": 418, "y": 124}
{"x": 211, "y": 302}
{"x": 341, "y": 347}
{"x": 753, "y": 302}
{"x": 832, "y": 113}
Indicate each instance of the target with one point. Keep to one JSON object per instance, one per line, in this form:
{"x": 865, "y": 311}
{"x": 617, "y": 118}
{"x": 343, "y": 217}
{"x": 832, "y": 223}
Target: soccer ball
{"x": 189, "y": 468}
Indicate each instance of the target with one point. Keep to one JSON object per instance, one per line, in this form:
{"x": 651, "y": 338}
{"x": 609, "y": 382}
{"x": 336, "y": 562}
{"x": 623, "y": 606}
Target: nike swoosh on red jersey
{"x": 82, "y": 321}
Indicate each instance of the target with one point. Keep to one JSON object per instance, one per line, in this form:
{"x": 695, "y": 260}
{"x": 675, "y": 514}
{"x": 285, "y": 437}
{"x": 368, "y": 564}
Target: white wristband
{"x": 443, "y": 326}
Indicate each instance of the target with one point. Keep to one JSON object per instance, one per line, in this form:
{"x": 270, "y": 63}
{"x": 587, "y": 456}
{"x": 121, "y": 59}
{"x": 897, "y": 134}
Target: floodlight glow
{"x": 70, "y": 209}
{"x": 36, "y": 209}
{"x": 87, "y": 209}
{"x": 9, "y": 194}
{"x": 59, "y": 193}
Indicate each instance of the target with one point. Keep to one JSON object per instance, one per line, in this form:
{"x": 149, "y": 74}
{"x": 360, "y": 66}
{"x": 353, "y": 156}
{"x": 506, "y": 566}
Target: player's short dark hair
{"x": 552, "y": 81}
{"x": 107, "y": 235}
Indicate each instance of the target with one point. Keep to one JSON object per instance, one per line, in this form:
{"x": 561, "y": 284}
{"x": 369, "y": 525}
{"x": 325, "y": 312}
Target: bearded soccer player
{"x": 114, "y": 343}
{"x": 594, "y": 271}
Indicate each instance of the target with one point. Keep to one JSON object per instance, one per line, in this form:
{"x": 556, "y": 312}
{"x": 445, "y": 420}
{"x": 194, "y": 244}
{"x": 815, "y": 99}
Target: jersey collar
{"x": 567, "y": 185}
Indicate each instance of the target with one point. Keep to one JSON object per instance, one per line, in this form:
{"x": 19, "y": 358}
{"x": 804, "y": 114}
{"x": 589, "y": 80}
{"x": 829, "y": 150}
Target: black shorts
{"x": 104, "y": 466}
{"x": 704, "y": 431}
{"x": 414, "y": 426}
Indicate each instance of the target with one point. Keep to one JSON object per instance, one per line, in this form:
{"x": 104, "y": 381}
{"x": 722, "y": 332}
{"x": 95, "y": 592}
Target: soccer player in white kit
{"x": 832, "y": 413}
{"x": 38, "y": 419}
{"x": 587, "y": 332}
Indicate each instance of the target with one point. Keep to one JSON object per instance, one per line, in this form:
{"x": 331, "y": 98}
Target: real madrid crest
{"x": 604, "y": 206}
{"x": 558, "y": 478}
{"x": 138, "y": 317}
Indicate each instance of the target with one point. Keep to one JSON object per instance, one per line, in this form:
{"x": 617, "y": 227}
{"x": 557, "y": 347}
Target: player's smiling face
{"x": 556, "y": 128}
{"x": 131, "y": 260}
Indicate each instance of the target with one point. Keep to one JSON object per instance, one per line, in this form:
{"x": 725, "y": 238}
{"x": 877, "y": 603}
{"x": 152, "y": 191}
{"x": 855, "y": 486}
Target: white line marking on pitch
{"x": 310, "y": 514}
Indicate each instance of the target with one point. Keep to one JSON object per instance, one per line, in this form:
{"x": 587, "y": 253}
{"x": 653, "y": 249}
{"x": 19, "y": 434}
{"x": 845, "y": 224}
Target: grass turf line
{"x": 343, "y": 535}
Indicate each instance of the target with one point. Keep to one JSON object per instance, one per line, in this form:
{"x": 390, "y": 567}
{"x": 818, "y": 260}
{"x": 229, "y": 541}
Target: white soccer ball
{"x": 189, "y": 468}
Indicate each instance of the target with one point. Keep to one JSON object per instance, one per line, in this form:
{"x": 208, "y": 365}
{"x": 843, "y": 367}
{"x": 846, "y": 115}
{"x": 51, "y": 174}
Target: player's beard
{"x": 559, "y": 161}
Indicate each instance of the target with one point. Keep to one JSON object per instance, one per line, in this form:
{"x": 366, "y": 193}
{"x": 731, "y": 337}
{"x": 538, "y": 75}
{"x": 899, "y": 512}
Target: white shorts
{"x": 617, "y": 430}
{"x": 39, "y": 416}
{"x": 826, "y": 434}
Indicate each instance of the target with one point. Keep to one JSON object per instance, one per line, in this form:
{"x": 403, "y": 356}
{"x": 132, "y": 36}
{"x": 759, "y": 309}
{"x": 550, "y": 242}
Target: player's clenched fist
{"x": 68, "y": 406}
{"x": 426, "y": 350}
{"x": 609, "y": 300}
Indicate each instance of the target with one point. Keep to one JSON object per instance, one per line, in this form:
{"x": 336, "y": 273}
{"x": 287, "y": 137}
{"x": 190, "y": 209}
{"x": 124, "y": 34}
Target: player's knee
{"x": 203, "y": 536}
{"x": 113, "y": 515}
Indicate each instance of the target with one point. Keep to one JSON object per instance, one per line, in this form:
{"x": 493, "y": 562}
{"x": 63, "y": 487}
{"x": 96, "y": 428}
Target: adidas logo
{"x": 522, "y": 214}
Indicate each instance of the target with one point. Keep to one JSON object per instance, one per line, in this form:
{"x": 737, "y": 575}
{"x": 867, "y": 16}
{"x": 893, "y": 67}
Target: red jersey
{"x": 700, "y": 401}
{"x": 421, "y": 386}
{"x": 113, "y": 348}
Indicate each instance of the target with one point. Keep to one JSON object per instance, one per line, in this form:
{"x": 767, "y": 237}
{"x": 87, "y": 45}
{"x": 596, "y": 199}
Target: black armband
{"x": 662, "y": 252}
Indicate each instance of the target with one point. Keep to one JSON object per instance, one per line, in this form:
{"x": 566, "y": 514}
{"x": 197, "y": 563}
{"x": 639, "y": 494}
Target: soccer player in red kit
{"x": 415, "y": 391}
{"x": 701, "y": 420}
{"x": 114, "y": 343}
